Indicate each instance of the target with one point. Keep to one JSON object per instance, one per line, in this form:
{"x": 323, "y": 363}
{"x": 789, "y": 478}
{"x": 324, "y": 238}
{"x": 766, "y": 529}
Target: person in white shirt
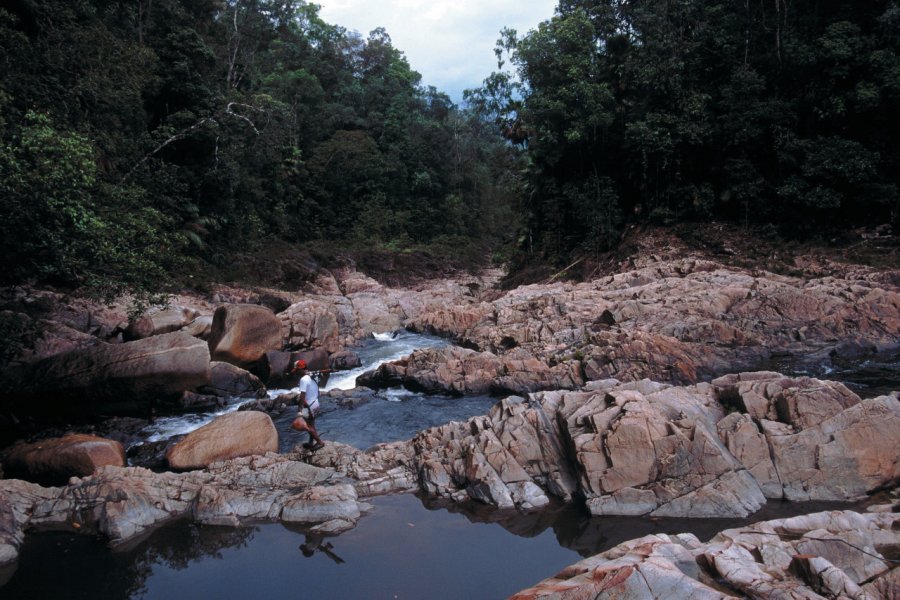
{"x": 309, "y": 406}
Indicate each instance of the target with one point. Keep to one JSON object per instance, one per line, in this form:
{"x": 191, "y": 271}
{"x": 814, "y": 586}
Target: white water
{"x": 382, "y": 348}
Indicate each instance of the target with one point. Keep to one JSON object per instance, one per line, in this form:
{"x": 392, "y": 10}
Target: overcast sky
{"x": 450, "y": 42}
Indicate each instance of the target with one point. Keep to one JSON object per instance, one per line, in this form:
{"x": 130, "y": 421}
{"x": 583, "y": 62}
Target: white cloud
{"x": 450, "y": 42}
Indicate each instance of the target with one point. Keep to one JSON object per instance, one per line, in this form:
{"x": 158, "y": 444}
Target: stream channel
{"x": 405, "y": 547}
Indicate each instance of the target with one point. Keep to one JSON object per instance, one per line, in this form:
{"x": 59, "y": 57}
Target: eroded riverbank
{"x": 638, "y": 445}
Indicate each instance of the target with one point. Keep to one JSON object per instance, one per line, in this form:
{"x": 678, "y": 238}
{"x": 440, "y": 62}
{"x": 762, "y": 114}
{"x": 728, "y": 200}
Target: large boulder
{"x": 460, "y": 371}
{"x": 451, "y": 321}
{"x": 637, "y": 355}
{"x": 159, "y": 322}
{"x": 799, "y": 402}
{"x": 241, "y": 334}
{"x": 807, "y": 439}
{"x": 373, "y": 315}
{"x": 201, "y": 327}
{"x": 130, "y": 374}
{"x": 657, "y": 454}
{"x": 55, "y": 460}
{"x": 638, "y": 448}
{"x": 312, "y": 323}
{"x": 193, "y": 402}
{"x": 522, "y": 373}
{"x": 276, "y": 366}
{"x": 227, "y": 380}
{"x": 344, "y": 360}
{"x": 450, "y": 370}
{"x": 229, "y": 436}
{"x": 846, "y": 456}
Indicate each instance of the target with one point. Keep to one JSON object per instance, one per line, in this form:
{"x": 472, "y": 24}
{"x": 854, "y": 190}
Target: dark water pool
{"x": 403, "y": 548}
{"x": 868, "y": 378}
{"x": 394, "y": 417}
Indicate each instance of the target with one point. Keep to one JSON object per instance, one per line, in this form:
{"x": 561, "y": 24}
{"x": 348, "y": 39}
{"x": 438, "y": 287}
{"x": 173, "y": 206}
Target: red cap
{"x": 300, "y": 364}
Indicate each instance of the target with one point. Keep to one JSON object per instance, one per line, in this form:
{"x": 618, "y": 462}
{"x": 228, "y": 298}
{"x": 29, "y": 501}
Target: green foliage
{"x": 17, "y": 332}
{"x": 138, "y": 138}
{"x": 692, "y": 110}
{"x": 63, "y": 225}
{"x": 46, "y": 184}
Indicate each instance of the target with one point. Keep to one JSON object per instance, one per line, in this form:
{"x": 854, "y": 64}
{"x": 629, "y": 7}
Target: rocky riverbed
{"x": 635, "y": 394}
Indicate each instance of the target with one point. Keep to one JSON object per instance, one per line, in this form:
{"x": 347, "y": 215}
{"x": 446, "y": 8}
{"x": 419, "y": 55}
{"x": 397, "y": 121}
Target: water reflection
{"x": 84, "y": 566}
{"x": 315, "y": 542}
{"x": 406, "y": 546}
{"x": 576, "y": 529}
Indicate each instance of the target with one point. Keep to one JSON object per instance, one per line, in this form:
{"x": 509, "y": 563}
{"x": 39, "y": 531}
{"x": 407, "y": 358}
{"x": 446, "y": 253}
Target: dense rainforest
{"x": 147, "y": 138}
{"x": 144, "y": 139}
{"x": 783, "y": 113}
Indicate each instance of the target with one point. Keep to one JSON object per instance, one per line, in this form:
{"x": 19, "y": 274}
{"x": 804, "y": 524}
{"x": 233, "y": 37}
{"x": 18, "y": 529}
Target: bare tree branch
{"x": 229, "y": 111}
{"x": 180, "y": 135}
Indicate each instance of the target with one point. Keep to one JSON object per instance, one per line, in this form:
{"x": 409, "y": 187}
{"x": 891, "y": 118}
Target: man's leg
{"x": 313, "y": 434}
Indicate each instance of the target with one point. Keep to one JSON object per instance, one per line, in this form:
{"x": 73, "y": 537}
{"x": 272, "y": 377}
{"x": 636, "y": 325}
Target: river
{"x": 405, "y": 547}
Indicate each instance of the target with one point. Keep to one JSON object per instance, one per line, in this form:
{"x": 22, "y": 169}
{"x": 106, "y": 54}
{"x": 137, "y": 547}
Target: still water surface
{"x": 401, "y": 549}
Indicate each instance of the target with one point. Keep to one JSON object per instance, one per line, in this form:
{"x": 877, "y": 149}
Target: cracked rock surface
{"x": 646, "y": 448}
{"x": 838, "y": 554}
{"x": 124, "y": 502}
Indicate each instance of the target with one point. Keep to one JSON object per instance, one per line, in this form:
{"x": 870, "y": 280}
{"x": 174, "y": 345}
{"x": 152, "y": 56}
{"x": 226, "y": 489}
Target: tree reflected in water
{"x": 126, "y": 568}
{"x": 578, "y": 530}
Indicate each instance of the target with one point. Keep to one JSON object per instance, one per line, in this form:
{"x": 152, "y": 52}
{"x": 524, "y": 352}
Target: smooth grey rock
{"x": 158, "y": 367}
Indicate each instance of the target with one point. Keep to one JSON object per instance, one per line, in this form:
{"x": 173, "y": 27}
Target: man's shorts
{"x": 308, "y": 413}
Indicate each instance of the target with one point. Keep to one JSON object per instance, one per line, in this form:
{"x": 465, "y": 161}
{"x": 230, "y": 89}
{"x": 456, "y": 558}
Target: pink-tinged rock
{"x": 160, "y": 366}
{"x": 624, "y": 452}
{"x": 58, "y": 459}
{"x": 373, "y": 315}
{"x": 763, "y": 560}
{"x": 656, "y": 566}
{"x": 321, "y": 504}
{"x": 241, "y": 334}
{"x": 452, "y": 321}
{"x": 312, "y": 323}
{"x": 800, "y": 402}
{"x": 229, "y": 436}
{"x": 461, "y": 371}
{"x": 679, "y": 320}
{"x": 749, "y": 445}
{"x": 644, "y": 448}
{"x": 846, "y": 456}
{"x": 635, "y": 356}
{"x": 449, "y": 370}
{"x": 201, "y": 327}
{"x": 159, "y": 322}
{"x": 228, "y": 380}
{"x": 122, "y": 503}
